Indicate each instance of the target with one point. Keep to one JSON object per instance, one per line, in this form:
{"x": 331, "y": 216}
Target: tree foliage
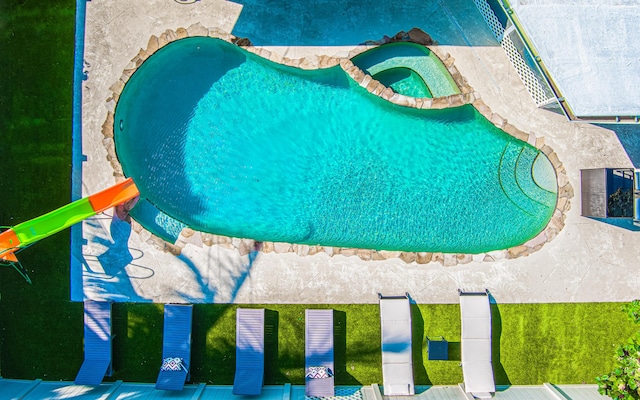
{"x": 633, "y": 311}
{"x": 624, "y": 381}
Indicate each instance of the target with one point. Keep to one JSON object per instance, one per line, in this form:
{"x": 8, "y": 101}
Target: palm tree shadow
{"x": 209, "y": 294}
{"x": 232, "y": 273}
{"x": 246, "y": 270}
{"x": 117, "y": 256}
{"x": 116, "y": 262}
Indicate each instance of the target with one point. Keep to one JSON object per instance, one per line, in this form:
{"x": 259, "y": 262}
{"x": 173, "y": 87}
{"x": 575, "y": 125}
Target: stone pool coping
{"x": 466, "y": 96}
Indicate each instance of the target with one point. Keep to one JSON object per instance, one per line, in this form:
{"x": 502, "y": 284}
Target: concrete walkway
{"x": 588, "y": 261}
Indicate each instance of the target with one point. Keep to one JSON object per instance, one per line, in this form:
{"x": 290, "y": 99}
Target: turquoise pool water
{"x": 226, "y": 142}
{"x": 404, "y": 81}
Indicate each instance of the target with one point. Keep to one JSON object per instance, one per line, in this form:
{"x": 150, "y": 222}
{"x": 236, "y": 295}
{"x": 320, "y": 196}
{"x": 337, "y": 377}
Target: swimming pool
{"x": 227, "y": 142}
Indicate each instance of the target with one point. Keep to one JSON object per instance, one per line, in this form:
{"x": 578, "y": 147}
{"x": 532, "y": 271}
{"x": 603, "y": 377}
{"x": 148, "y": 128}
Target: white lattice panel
{"x": 529, "y": 78}
{"x": 490, "y": 18}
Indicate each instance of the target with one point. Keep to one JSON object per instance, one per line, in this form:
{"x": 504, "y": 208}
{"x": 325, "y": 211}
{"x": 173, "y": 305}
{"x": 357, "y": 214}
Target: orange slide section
{"x": 117, "y": 194}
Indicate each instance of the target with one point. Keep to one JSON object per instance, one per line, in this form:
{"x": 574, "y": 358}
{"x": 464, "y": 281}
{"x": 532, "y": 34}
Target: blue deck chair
{"x": 176, "y": 347}
{"x": 249, "y": 375}
{"x": 318, "y": 349}
{"x": 97, "y": 343}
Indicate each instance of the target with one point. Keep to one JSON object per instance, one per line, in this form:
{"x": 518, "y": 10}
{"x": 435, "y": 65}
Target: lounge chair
{"x": 249, "y": 352}
{"x": 97, "y": 343}
{"x": 397, "y": 361}
{"x": 318, "y": 349}
{"x": 477, "y": 367}
{"x": 176, "y": 347}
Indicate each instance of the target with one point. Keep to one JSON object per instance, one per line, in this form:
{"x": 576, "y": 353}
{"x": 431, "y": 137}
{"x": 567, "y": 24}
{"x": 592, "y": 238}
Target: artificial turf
{"x": 36, "y": 67}
{"x": 41, "y": 330}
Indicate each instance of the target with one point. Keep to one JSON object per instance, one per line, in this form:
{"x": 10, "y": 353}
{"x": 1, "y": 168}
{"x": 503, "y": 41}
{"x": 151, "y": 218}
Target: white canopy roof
{"x": 591, "y": 49}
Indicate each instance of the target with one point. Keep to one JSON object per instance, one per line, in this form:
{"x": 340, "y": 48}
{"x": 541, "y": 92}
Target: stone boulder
{"x": 242, "y": 42}
{"x": 419, "y": 36}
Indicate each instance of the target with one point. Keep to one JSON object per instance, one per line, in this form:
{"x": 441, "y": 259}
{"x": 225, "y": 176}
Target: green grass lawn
{"x": 41, "y": 330}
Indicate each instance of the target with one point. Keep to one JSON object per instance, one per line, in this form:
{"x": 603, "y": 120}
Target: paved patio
{"x": 588, "y": 261}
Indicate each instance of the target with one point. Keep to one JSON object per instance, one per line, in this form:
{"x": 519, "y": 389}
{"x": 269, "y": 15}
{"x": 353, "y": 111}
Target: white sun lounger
{"x": 318, "y": 350}
{"x": 249, "y": 375}
{"x": 477, "y": 367}
{"x": 397, "y": 361}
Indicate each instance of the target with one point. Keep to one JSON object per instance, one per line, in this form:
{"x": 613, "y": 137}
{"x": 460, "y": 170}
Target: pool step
{"x": 525, "y": 179}
{"x": 517, "y": 182}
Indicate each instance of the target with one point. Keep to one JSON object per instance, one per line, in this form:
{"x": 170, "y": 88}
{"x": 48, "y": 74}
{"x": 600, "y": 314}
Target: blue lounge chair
{"x": 176, "y": 347}
{"x": 97, "y": 343}
{"x": 249, "y": 352}
{"x": 318, "y": 349}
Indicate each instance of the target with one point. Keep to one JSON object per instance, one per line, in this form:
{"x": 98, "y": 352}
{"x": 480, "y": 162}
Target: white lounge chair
{"x": 249, "y": 375}
{"x": 477, "y": 367}
{"x": 318, "y": 349}
{"x": 397, "y": 361}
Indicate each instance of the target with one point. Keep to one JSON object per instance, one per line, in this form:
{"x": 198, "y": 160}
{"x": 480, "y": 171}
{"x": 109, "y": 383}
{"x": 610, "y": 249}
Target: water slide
{"x": 29, "y": 232}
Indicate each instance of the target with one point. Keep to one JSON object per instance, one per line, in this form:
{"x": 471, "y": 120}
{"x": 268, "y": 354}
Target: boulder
{"x": 424, "y": 258}
{"x": 242, "y": 42}
{"x": 417, "y": 35}
{"x": 408, "y": 257}
{"x": 282, "y": 247}
{"x": 267, "y": 247}
{"x": 181, "y": 33}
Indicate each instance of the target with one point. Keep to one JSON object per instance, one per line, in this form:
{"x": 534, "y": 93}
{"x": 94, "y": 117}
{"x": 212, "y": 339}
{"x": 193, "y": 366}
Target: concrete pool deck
{"x": 588, "y": 261}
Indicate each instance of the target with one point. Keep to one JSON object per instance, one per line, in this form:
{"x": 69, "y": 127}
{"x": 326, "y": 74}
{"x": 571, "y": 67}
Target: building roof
{"x": 591, "y": 49}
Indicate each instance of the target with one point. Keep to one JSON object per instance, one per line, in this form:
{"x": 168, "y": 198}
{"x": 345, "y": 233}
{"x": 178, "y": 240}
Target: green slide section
{"x": 55, "y": 221}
